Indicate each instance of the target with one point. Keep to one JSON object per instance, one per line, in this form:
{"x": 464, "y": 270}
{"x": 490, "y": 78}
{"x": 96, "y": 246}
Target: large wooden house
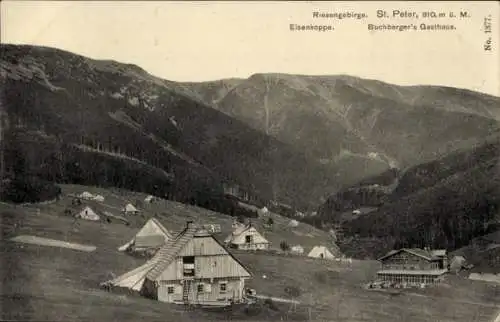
{"x": 191, "y": 268}
{"x": 246, "y": 237}
{"x": 413, "y": 266}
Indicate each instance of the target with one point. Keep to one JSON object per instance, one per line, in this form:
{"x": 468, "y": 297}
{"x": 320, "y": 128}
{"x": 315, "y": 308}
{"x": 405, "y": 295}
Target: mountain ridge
{"x": 294, "y": 138}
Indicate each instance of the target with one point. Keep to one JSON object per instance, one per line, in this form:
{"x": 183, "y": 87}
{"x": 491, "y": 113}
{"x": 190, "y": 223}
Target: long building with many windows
{"x": 413, "y": 266}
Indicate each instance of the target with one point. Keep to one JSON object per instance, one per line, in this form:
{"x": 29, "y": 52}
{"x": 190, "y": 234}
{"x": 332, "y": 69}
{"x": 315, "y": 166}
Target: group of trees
{"x": 32, "y": 176}
{"x": 448, "y": 223}
{"x": 17, "y": 185}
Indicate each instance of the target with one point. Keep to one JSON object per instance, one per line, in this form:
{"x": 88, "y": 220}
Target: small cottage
{"x": 293, "y": 223}
{"x": 88, "y": 214}
{"x": 320, "y": 252}
{"x": 129, "y": 209}
{"x": 247, "y": 238}
{"x": 151, "y": 236}
{"x": 98, "y": 198}
{"x": 191, "y": 268}
{"x": 297, "y": 249}
{"x": 86, "y": 195}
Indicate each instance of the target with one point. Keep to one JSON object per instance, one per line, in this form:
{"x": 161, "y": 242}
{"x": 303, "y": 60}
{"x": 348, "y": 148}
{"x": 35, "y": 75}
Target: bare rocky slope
{"x": 362, "y": 127}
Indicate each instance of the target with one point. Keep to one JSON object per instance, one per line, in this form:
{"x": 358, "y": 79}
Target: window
{"x": 248, "y": 239}
{"x": 223, "y": 287}
{"x": 170, "y": 290}
{"x": 200, "y": 288}
{"x": 188, "y": 266}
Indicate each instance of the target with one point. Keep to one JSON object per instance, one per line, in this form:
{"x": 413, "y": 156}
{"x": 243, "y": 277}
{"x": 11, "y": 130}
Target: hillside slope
{"x": 444, "y": 203}
{"x": 56, "y": 284}
{"x": 363, "y": 127}
{"x": 91, "y": 115}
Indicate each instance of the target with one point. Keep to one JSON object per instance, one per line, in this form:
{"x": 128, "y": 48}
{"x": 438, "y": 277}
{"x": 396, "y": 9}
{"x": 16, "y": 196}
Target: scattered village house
{"x": 86, "y": 195}
{"x": 457, "y": 263}
{"x": 150, "y": 199}
{"x": 88, "y": 214}
{"x": 293, "y": 223}
{"x": 191, "y": 268}
{"x": 320, "y": 252}
{"x": 129, "y": 209}
{"x": 297, "y": 249}
{"x": 246, "y": 237}
{"x": 263, "y": 211}
{"x": 413, "y": 266}
{"x": 150, "y": 237}
{"x": 98, "y": 198}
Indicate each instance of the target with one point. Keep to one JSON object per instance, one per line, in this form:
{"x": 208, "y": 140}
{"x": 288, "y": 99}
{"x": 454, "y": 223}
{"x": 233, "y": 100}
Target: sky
{"x": 200, "y": 41}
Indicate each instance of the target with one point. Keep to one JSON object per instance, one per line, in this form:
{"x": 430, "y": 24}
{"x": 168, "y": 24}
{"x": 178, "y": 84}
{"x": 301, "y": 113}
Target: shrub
{"x": 29, "y": 190}
{"x": 284, "y": 246}
{"x": 270, "y": 304}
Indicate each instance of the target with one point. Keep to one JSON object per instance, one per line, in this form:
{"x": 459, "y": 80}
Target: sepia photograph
{"x": 198, "y": 161}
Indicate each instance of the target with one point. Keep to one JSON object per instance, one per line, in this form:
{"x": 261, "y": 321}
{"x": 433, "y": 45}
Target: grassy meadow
{"x": 57, "y": 284}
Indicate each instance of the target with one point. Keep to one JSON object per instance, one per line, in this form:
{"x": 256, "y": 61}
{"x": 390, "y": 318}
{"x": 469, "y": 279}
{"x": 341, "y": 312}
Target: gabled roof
{"x": 320, "y": 249}
{"x": 233, "y": 257}
{"x": 145, "y": 238}
{"x": 130, "y": 207}
{"x": 88, "y": 212}
{"x": 240, "y": 230}
{"x": 426, "y": 254}
{"x": 153, "y": 268}
{"x": 162, "y": 228}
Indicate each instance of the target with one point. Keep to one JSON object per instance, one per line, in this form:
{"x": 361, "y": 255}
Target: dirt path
{"x": 276, "y": 299}
{"x": 52, "y": 243}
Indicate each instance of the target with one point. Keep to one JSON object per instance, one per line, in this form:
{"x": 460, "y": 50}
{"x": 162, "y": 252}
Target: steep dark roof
{"x": 169, "y": 250}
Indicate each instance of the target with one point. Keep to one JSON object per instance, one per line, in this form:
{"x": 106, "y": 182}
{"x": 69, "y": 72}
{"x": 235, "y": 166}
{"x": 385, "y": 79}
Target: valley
{"x": 58, "y": 284}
